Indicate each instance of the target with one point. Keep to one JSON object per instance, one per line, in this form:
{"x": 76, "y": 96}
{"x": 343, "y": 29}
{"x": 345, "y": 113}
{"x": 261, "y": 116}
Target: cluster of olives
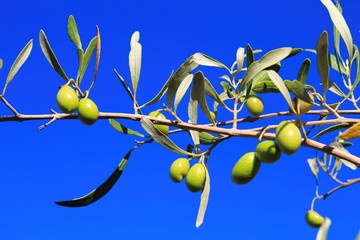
{"x": 68, "y": 102}
{"x": 195, "y": 176}
{"x": 288, "y": 141}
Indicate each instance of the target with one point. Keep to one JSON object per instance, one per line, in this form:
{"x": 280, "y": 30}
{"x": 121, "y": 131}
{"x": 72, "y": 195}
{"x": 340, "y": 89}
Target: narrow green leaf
{"x": 89, "y": 52}
{"x": 160, "y": 138}
{"x": 337, "y": 66}
{"x": 19, "y": 61}
{"x": 204, "y": 199}
{"x": 304, "y": 71}
{"x": 335, "y": 89}
{"x": 340, "y": 24}
{"x": 122, "y": 129}
{"x": 160, "y": 94}
{"x": 322, "y": 61}
{"x": 1, "y": 63}
{"x": 97, "y": 58}
{"x": 313, "y": 167}
{"x": 205, "y": 60}
{"x": 199, "y": 88}
{"x": 193, "y": 115}
{"x": 183, "y": 87}
{"x": 282, "y": 88}
{"x": 294, "y": 51}
{"x": 211, "y": 92}
{"x": 240, "y": 56}
{"x": 135, "y": 56}
{"x": 269, "y": 59}
{"x": 73, "y": 32}
{"x": 250, "y": 58}
{"x": 299, "y": 90}
{"x": 50, "y": 56}
{"x": 332, "y": 129}
{"x": 102, "y": 190}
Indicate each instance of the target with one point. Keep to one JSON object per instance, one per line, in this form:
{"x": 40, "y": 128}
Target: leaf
{"x": 183, "y": 87}
{"x": 358, "y": 236}
{"x": 332, "y": 129}
{"x": 322, "y": 61}
{"x": 100, "y": 191}
{"x": 97, "y": 58}
{"x": 338, "y": 145}
{"x": 340, "y": 24}
{"x": 135, "y": 60}
{"x": 304, "y": 71}
{"x": 211, "y": 92}
{"x": 19, "y": 61}
{"x": 240, "y": 55}
{"x": 348, "y": 164}
{"x": 86, "y": 59}
{"x": 337, "y": 66}
{"x": 282, "y": 88}
{"x": 199, "y": 88}
{"x": 50, "y": 56}
{"x": 193, "y": 115}
{"x": 351, "y": 133}
{"x": 160, "y": 138}
{"x": 122, "y": 129}
{"x": 323, "y": 230}
{"x": 313, "y": 167}
{"x": 1, "y": 63}
{"x": 250, "y": 58}
{"x": 269, "y": 59}
{"x": 299, "y": 90}
{"x": 335, "y": 89}
{"x": 204, "y": 199}
{"x": 73, "y": 32}
{"x": 160, "y": 94}
{"x": 205, "y": 60}
{"x": 294, "y": 52}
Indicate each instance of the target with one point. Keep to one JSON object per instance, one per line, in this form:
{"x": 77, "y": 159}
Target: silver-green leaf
{"x": 323, "y": 61}
{"x": 135, "y": 56}
{"x": 313, "y": 167}
{"x": 73, "y": 32}
{"x": 122, "y": 129}
{"x": 279, "y": 83}
{"x": 84, "y": 63}
{"x": 204, "y": 199}
{"x": 199, "y": 87}
{"x": 323, "y": 230}
{"x": 182, "y": 89}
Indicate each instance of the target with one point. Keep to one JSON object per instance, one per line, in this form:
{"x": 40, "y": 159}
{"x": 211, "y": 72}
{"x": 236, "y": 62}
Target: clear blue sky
{"x": 67, "y": 159}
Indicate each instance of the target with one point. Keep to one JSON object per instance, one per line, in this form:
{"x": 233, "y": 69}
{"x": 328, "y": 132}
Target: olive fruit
{"x": 88, "y": 111}
{"x": 254, "y": 105}
{"x": 268, "y": 152}
{"x": 288, "y": 137}
{"x": 178, "y": 169}
{"x": 246, "y": 168}
{"x": 313, "y": 219}
{"x": 304, "y": 107}
{"x": 162, "y": 128}
{"x": 67, "y": 99}
{"x": 213, "y": 116}
{"x": 195, "y": 178}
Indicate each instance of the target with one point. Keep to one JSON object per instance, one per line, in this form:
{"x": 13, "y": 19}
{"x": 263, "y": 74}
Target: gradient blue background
{"x": 67, "y": 159}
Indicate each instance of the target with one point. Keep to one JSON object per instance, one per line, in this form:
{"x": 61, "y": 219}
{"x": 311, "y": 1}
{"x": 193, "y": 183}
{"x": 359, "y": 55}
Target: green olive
{"x": 254, "y": 105}
{"x": 304, "y": 107}
{"x": 268, "y": 152}
{"x": 67, "y": 99}
{"x": 178, "y": 169}
{"x": 246, "y": 168}
{"x": 162, "y": 128}
{"x": 88, "y": 111}
{"x": 288, "y": 137}
{"x": 195, "y": 178}
{"x": 313, "y": 219}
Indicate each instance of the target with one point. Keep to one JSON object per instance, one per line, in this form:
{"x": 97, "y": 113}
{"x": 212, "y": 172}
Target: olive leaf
{"x": 340, "y": 161}
{"x": 250, "y": 58}
{"x": 205, "y": 60}
{"x": 97, "y": 58}
{"x": 1, "y": 63}
{"x": 135, "y": 56}
{"x": 299, "y": 90}
{"x": 85, "y": 60}
{"x": 269, "y": 59}
{"x": 211, "y": 92}
{"x": 340, "y": 24}
{"x": 204, "y": 199}
{"x": 282, "y": 88}
{"x": 351, "y": 133}
{"x": 323, "y": 230}
{"x": 73, "y": 32}
{"x": 122, "y": 129}
{"x": 304, "y": 71}
{"x": 332, "y": 129}
{"x": 100, "y": 191}
{"x": 199, "y": 88}
{"x": 323, "y": 61}
{"x": 161, "y": 138}
{"x": 240, "y": 55}
{"x": 336, "y": 65}
{"x": 313, "y": 167}
{"x": 182, "y": 89}
{"x": 50, "y": 56}
{"x": 193, "y": 115}
{"x": 335, "y": 89}
{"x": 19, "y": 61}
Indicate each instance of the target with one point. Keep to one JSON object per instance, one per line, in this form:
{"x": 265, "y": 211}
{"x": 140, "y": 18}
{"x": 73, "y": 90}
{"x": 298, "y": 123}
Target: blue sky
{"x": 67, "y": 159}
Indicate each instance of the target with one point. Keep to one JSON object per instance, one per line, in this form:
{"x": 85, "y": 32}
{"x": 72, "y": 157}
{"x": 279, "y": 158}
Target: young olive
{"x": 268, "y": 152}
{"x": 67, "y": 99}
{"x": 288, "y": 137}
{"x": 314, "y": 219}
{"x": 179, "y": 169}
{"x": 254, "y": 105}
{"x": 246, "y": 168}
{"x": 162, "y": 128}
{"x": 88, "y": 111}
{"x": 195, "y": 178}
